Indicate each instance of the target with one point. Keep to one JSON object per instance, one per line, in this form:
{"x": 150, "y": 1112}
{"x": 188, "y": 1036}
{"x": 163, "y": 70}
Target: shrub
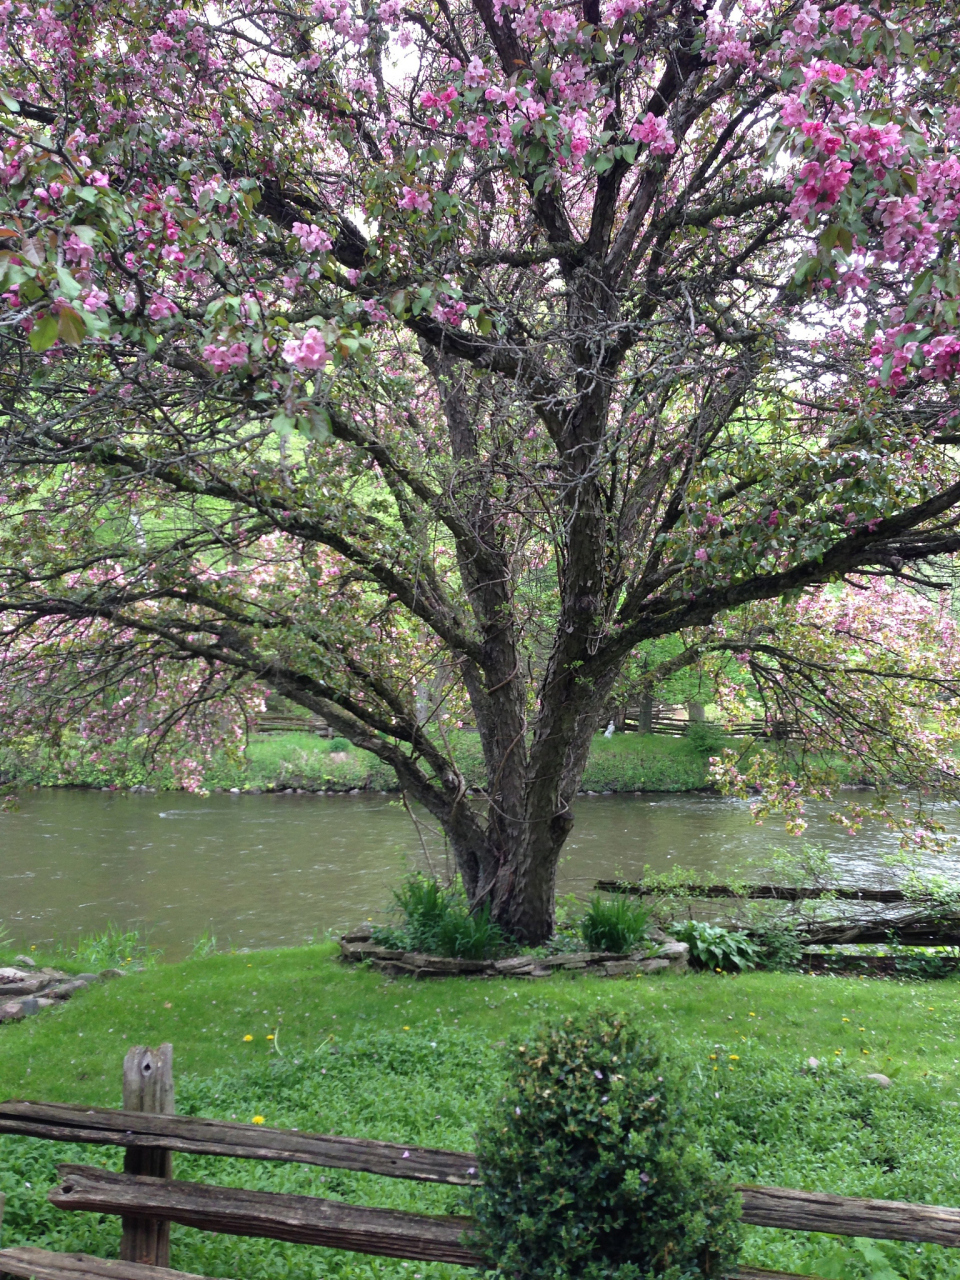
{"x": 714, "y": 947}
{"x": 779, "y": 947}
{"x": 617, "y": 925}
{"x": 592, "y": 1169}
{"x": 339, "y": 744}
{"x": 438, "y": 921}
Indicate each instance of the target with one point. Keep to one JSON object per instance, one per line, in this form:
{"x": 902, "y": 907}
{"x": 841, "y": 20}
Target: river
{"x": 277, "y": 870}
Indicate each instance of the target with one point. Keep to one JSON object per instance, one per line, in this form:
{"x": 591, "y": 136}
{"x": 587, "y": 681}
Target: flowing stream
{"x": 276, "y": 870}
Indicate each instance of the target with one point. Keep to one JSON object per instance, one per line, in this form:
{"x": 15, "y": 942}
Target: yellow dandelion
{"x": 269, "y": 1037}
{"x": 258, "y": 1120}
{"x": 406, "y": 1028}
{"x": 734, "y": 1057}
{"x": 713, "y": 1057}
{"x": 248, "y": 1037}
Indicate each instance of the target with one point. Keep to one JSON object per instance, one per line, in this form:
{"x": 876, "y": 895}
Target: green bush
{"x": 714, "y": 947}
{"x": 618, "y": 925}
{"x": 592, "y": 1169}
{"x": 339, "y": 744}
{"x": 438, "y": 921}
{"x": 779, "y": 947}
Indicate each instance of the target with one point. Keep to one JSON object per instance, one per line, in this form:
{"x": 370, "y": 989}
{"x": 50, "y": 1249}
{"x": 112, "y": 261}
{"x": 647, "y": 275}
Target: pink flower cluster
{"x": 161, "y": 308}
{"x": 655, "y": 132}
{"x": 308, "y": 352}
{"x": 224, "y": 358}
{"x": 313, "y": 239}
{"x": 413, "y": 199}
{"x": 819, "y": 188}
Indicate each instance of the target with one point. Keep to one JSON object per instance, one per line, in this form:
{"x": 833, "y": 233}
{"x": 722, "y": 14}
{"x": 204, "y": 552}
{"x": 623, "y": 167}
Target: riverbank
{"x": 354, "y": 1052}
{"x": 281, "y": 761}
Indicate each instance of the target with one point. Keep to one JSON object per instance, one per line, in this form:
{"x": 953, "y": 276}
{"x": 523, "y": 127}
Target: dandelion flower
{"x": 269, "y": 1037}
{"x": 406, "y": 1028}
{"x": 258, "y": 1120}
{"x": 734, "y": 1057}
{"x": 248, "y": 1037}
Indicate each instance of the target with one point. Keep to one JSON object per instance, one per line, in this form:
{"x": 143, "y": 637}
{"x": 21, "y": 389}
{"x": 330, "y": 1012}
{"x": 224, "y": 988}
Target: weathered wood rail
{"x": 759, "y": 892}
{"x": 149, "y": 1202}
{"x": 919, "y": 928}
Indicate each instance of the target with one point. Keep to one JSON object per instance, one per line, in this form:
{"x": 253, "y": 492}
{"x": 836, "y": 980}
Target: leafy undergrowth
{"x": 360, "y": 1054}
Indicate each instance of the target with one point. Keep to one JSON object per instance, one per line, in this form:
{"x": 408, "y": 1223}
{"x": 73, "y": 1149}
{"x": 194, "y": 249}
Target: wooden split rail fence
{"x": 147, "y": 1198}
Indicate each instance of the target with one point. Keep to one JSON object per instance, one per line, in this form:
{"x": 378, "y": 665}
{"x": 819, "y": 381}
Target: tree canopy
{"x": 367, "y": 348}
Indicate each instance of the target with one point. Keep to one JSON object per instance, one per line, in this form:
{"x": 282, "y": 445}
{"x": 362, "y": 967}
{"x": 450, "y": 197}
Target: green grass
{"x": 627, "y": 762}
{"x": 361, "y": 1054}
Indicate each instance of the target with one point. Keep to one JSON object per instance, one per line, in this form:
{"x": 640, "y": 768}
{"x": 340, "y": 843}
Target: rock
{"x": 813, "y": 1063}
{"x": 44, "y": 1002}
{"x": 27, "y": 961}
{"x": 355, "y": 791}
{"x": 653, "y": 965}
{"x": 64, "y": 990}
{"x": 234, "y": 791}
{"x": 29, "y": 1005}
{"x": 9, "y": 974}
{"x": 677, "y": 954}
{"x": 106, "y": 974}
{"x": 85, "y": 977}
{"x": 617, "y": 968}
{"x": 11, "y": 1011}
{"x": 883, "y": 1082}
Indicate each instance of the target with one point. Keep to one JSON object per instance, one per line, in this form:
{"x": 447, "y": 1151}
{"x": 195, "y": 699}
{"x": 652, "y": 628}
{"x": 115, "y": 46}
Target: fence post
{"x": 148, "y": 1086}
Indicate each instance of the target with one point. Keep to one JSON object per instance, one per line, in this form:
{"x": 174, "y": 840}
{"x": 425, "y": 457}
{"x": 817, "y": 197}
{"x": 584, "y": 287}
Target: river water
{"x": 275, "y": 870}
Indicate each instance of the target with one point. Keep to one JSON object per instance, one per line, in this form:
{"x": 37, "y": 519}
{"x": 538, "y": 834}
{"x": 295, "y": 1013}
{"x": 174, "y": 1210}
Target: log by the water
{"x": 147, "y": 1088}
{"x": 847, "y": 1216}
{"x": 270, "y": 1215}
{"x": 760, "y": 892}
{"x": 43, "y": 1264}
{"x": 104, "y": 1127}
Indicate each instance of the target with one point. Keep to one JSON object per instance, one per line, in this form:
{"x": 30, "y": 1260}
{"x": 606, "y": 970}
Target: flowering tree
{"x": 554, "y": 329}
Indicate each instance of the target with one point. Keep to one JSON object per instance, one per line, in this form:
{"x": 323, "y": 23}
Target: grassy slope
{"x": 628, "y": 762}
{"x": 415, "y": 1061}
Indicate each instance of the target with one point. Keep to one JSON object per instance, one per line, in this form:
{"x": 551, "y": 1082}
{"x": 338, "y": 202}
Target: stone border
{"x": 670, "y": 955}
{"x": 38, "y": 989}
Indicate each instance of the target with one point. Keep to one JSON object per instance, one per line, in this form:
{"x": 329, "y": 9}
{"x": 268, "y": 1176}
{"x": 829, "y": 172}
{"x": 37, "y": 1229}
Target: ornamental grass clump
{"x": 593, "y": 1168}
{"x": 618, "y": 926}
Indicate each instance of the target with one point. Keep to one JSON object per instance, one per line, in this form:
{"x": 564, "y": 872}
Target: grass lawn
{"x": 356, "y": 1053}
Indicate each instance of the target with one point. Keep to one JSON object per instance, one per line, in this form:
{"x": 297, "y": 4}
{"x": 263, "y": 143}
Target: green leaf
{"x": 69, "y": 286}
{"x": 44, "y": 333}
{"x": 282, "y": 423}
{"x": 10, "y": 103}
{"x": 70, "y": 326}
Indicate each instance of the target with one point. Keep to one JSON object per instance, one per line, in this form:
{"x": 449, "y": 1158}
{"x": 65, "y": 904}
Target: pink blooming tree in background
{"x": 561, "y": 328}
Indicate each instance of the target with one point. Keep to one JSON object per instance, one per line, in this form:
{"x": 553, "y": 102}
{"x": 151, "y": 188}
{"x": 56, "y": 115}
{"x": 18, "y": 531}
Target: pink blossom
{"x": 308, "y": 352}
{"x": 476, "y": 73}
{"x": 160, "y": 307}
{"x": 701, "y": 554}
{"x": 312, "y": 238}
{"x": 96, "y": 300}
{"x": 655, "y": 131}
{"x": 413, "y": 199}
{"x": 161, "y": 43}
{"x": 224, "y": 358}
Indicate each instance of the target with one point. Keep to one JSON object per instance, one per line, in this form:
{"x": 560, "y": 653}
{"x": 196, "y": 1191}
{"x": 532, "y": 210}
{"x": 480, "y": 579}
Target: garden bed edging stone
{"x": 670, "y": 954}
